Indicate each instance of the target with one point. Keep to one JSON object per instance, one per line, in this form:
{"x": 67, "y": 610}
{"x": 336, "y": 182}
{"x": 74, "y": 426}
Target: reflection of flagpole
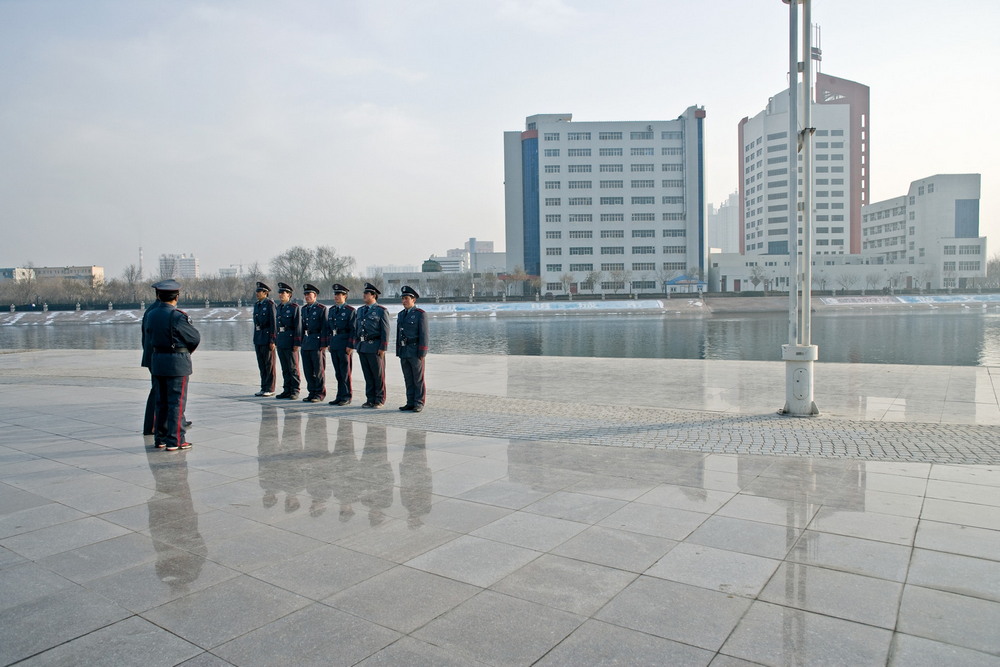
{"x": 799, "y": 354}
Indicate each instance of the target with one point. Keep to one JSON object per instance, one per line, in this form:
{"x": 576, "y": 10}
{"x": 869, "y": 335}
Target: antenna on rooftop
{"x": 140, "y": 262}
{"x": 817, "y": 50}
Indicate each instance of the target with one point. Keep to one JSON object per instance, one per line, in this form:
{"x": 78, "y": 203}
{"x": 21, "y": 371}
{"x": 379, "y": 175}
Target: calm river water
{"x": 952, "y": 338}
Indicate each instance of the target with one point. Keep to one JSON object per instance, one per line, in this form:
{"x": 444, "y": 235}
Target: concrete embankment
{"x": 678, "y": 306}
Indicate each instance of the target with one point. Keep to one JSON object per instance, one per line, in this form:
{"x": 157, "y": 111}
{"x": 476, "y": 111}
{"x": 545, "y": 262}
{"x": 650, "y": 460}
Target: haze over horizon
{"x": 235, "y": 130}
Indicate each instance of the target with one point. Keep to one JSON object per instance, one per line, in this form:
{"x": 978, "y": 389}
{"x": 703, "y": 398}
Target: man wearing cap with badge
{"x": 173, "y": 338}
{"x": 411, "y": 348}
{"x": 288, "y": 340}
{"x": 149, "y": 417}
{"x": 340, "y": 319}
{"x": 265, "y": 332}
{"x": 371, "y": 333}
{"x": 313, "y": 345}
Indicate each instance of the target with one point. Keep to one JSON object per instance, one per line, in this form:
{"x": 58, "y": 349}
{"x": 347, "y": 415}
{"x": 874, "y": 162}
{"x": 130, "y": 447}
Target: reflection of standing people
{"x": 415, "y": 490}
{"x": 265, "y": 332}
{"x": 173, "y": 524}
{"x": 340, "y": 319}
{"x": 313, "y": 345}
{"x": 372, "y": 336}
{"x": 411, "y": 348}
{"x": 345, "y": 483}
{"x": 317, "y": 464}
{"x": 289, "y": 338}
{"x": 267, "y": 452}
{"x": 376, "y": 471}
{"x": 173, "y": 339}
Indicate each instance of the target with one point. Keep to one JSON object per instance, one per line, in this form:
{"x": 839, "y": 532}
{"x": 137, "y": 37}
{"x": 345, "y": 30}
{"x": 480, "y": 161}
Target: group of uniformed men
{"x": 290, "y": 333}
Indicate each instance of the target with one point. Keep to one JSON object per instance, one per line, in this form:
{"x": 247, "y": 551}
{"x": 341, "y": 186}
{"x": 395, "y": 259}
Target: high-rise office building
{"x": 607, "y": 205}
{"x": 840, "y": 115}
{"x": 179, "y": 266}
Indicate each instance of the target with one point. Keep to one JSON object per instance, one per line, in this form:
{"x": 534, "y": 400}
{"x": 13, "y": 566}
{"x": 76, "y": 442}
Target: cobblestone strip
{"x": 688, "y": 430}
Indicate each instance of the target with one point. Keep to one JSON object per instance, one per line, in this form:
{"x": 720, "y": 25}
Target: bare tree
{"x": 593, "y": 280}
{"x": 293, "y": 266}
{"x": 131, "y": 277}
{"x": 846, "y": 280}
{"x": 873, "y": 278}
{"x": 993, "y": 270}
{"x": 566, "y": 279}
{"x": 331, "y": 266}
{"x": 757, "y": 275}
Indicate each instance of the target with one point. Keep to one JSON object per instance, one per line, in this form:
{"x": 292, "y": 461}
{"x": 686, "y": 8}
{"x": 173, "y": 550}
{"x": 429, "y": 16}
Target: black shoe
{"x": 293, "y": 397}
{"x": 376, "y": 406}
{"x": 312, "y": 399}
{"x": 405, "y": 408}
{"x": 418, "y": 408}
{"x": 343, "y": 401}
{"x": 187, "y": 424}
{"x": 183, "y": 445}
{"x": 147, "y": 433}
{"x": 264, "y": 392}
{"x": 368, "y": 405}
{"x": 160, "y": 445}
{"x": 283, "y": 394}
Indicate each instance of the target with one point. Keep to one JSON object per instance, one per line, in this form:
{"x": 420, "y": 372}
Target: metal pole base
{"x": 799, "y": 380}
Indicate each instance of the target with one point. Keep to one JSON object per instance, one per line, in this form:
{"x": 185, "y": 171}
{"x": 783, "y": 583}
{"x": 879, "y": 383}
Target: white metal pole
{"x": 793, "y": 129}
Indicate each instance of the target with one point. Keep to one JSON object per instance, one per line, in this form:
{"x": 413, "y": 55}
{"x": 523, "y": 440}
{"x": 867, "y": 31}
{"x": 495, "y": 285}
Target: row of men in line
{"x": 291, "y": 333}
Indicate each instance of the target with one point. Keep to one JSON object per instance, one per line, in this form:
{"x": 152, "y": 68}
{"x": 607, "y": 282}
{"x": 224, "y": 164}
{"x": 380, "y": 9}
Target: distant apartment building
{"x": 934, "y": 226}
{"x": 926, "y": 239}
{"x": 841, "y": 156}
{"x": 723, "y": 223}
{"x": 89, "y": 274}
{"x": 179, "y": 266}
{"x": 616, "y": 203}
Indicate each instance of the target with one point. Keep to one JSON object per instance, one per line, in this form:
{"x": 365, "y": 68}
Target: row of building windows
{"x": 642, "y": 135}
{"x": 962, "y": 266}
{"x": 611, "y": 152}
{"x": 963, "y": 250}
{"x": 616, "y": 201}
{"x": 618, "y": 250}
{"x": 610, "y": 184}
{"x": 586, "y": 268}
{"x": 615, "y": 217}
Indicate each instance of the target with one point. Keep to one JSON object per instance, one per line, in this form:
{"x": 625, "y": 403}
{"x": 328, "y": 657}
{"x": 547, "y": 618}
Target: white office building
{"x": 606, "y": 206}
{"x": 179, "y": 266}
{"x": 840, "y": 115}
{"x": 724, "y": 225}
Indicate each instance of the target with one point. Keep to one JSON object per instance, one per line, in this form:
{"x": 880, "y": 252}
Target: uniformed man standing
{"x": 149, "y": 417}
{"x": 340, "y": 319}
{"x": 372, "y": 340}
{"x": 411, "y": 348}
{"x": 313, "y": 345}
{"x": 288, "y": 341}
{"x": 173, "y": 339}
{"x": 265, "y": 332}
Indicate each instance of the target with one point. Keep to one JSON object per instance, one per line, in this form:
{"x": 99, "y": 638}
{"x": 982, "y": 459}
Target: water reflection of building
{"x": 173, "y": 523}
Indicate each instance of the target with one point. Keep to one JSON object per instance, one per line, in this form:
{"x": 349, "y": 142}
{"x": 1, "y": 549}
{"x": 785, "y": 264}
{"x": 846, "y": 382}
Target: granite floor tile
{"x": 866, "y": 525}
{"x": 474, "y": 560}
{"x": 531, "y": 531}
{"x": 667, "y": 522}
{"x": 950, "y": 618}
{"x": 973, "y": 577}
{"x": 394, "y": 540}
{"x": 402, "y": 598}
{"x": 42, "y": 623}
{"x": 500, "y": 630}
{"x": 749, "y": 537}
{"x": 776, "y": 635}
{"x": 881, "y": 502}
{"x": 690, "y": 498}
{"x": 574, "y": 506}
{"x": 314, "y": 635}
{"x": 910, "y": 651}
{"x": 26, "y": 581}
{"x": 963, "y": 492}
{"x": 851, "y": 597}
{"x": 133, "y": 641}
{"x": 620, "y": 549}
{"x": 319, "y": 573}
{"x": 851, "y": 554}
{"x": 682, "y": 613}
{"x": 462, "y": 516}
{"x": 567, "y": 584}
{"x": 230, "y": 609}
{"x": 62, "y": 537}
{"x": 597, "y": 643}
{"x": 715, "y": 569}
{"x": 410, "y": 651}
{"x": 769, "y": 510}
{"x": 959, "y": 539}
{"x": 103, "y": 558}
{"x": 968, "y": 514}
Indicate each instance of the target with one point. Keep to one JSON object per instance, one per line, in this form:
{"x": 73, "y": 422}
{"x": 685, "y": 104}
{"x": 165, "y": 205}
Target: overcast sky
{"x": 236, "y": 129}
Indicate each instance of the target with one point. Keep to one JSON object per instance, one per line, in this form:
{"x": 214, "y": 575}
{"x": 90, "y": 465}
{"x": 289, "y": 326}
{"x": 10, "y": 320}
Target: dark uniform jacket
{"x": 313, "y": 323}
{"x": 265, "y": 322}
{"x": 147, "y": 341}
{"x": 371, "y": 331}
{"x": 289, "y": 319}
{"x": 340, "y": 321}
{"x": 173, "y": 339}
{"x": 411, "y": 333}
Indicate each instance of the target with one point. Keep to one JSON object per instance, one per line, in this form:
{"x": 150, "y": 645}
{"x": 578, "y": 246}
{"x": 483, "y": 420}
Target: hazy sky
{"x": 236, "y": 129}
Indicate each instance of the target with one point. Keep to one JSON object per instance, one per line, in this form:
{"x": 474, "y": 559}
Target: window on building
{"x": 640, "y": 136}
{"x": 968, "y": 266}
{"x": 673, "y": 183}
{"x": 581, "y": 217}
{"x": 674, "y": 266}
{"x": 551, "y": 169}
{"x": 581, "y": 234}
{"x": 674, "y": 250}
{"x": 610, "y": 152}
{"x": 671, "y": 135}
{"x": 643, "y": 167}
{"x": 579, "y": 185}
{"x": 612, "y": 217}
{"x": 675, "y": 232}
{"x": 612, "y": 184}
{"x": 643, "y": 233}
{"x": 551, "y": 136}
{"x": 643, "y": 183}
{"x": 579, "y": 169}
{"x": 672, "y": 167}
{"x": 611, "y": 201}
{"x": 553, "y": 217}
{"x": 639, "y": 152}
{"x": 553, "y": 287}
{"x": 641, "y": 201}
{"x": 673, "y": 199}
{"x": 578, "y": 152}
{"x": 552, "y": 185}
{"x": 551, "y": 152}
{"x": 612, "y": 267}
{"x": 553, "y": 268}
{"x": 612, "y": 284}
{"x": 610, "y": 168}
{"x": 553, "y": 234}
{"x": 578, "y": 136}
{"x": 613, "y": 250}
{"x": 553, "y": 251}
{"x": 948, "y": 266}
{"x": 644, "y": 266}
{"x": 612, "y": 233}
{"x": 672, "y": 151}
{"x": 581, "y": 250}
{"x": 643, "y": 217}
{"x": 673, "y": 217}
{"x": 553, "y": 201}
{"x": 609, "y": 136}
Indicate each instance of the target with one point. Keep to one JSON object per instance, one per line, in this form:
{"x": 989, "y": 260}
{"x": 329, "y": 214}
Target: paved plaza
{"x": 541, "y": 510}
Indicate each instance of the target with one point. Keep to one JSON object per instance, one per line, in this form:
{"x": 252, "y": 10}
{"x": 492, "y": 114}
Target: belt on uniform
{"x": 169, "y": 350}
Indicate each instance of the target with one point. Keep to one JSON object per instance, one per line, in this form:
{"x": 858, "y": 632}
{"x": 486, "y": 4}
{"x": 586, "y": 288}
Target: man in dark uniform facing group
{"x": 340, "y": 319}
{"x": 149, "y": 417}
{"x": 313, "y": 345}
{"x": 173, "y": 338}
{"x": 289, "y": 338}
{"x": 265, "y": 331}
{"x": 372, "y": 340}
{"x": 411, "y": 348}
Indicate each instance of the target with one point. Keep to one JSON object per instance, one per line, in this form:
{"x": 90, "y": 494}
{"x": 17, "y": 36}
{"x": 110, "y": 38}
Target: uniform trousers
{"x": 265, "y": 362}
{"x": 373, "y": 366}
{"x": 413, "y": 376}
{"x": 289, "y": 359}
{"x": 149, "y": 418}
{"x": 342, "y": 370}
{"x": 171, "y": 398}
{"x": 314, "y": 370}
